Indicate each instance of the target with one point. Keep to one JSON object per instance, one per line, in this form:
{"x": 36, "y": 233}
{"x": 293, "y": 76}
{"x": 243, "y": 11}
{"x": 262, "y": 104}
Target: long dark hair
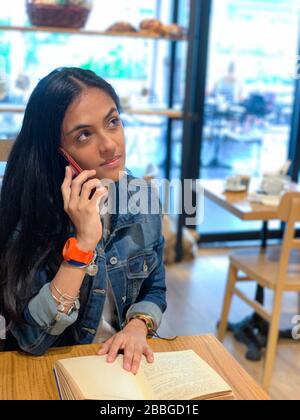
{"x": 33, "y": 224}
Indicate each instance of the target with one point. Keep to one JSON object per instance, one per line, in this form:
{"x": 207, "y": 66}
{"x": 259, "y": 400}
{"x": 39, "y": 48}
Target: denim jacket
{"x": 131, "y": 260}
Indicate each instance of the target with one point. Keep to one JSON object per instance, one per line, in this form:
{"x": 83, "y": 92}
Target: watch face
{"x": 92, "y": 270}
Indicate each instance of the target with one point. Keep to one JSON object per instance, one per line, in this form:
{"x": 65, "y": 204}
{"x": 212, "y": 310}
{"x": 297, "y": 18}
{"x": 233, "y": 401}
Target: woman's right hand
{"x": 83, "y": 211}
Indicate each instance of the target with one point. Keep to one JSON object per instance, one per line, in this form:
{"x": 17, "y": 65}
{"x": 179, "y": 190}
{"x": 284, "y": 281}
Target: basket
{"x": 68, "y": 16}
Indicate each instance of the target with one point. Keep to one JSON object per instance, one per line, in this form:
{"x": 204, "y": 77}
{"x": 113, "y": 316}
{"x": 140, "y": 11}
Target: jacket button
{"x": 99, "y": 291}
{"x": 89, "y": 330}
{"x": 114, "y": 261}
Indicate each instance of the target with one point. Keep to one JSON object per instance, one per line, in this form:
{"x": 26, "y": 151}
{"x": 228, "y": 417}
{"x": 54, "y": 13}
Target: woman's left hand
{"x": 133, "y": 341}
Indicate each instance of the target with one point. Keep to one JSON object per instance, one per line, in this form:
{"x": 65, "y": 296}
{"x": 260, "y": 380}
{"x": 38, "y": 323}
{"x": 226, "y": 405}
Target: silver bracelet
{"x": 63, "y": 301}
{"x": 65, "y": 295}
{"x": 62, "y": 305}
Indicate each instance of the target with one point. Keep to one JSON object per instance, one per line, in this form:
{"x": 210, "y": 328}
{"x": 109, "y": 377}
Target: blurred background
{"x": 250, "y": 83}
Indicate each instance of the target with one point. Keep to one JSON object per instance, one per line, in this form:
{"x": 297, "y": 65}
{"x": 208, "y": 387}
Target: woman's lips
{"x": 112, "y": 163}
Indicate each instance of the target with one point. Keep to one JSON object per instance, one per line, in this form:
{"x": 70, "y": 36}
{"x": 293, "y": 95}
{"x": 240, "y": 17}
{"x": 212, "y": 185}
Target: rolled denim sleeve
{"x": 43, "y": 310}
{"x": 42, "y": 324}
{"x": 152, "y": 297}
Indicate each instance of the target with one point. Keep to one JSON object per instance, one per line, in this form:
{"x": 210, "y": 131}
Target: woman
{"x": 64, "y": 277}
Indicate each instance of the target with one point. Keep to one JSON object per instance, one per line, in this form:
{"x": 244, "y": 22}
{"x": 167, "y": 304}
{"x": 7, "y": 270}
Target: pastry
{"x": 121, "y": 27}
{"x": 173, "y": 30}
{"x": 153, "y": 26}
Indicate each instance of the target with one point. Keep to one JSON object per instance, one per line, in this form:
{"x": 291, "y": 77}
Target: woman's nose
{"x": 106, "y": 144}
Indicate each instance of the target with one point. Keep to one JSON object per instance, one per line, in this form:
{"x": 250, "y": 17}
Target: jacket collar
{"x": 125, "y": 219}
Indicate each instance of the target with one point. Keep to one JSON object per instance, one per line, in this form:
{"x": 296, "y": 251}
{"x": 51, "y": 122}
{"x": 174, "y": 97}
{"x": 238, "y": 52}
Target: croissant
{"x": 152, "y": 25}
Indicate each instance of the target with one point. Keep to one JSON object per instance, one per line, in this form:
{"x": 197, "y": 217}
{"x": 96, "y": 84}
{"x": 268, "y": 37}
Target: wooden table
{"x": 238, "y": 203}
{"x": 31, "y": 378}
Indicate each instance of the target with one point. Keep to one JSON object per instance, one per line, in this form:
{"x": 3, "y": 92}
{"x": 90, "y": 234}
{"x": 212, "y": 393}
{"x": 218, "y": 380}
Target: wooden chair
{"x": 5, "y": 148}
{"x": 277, "y": 269}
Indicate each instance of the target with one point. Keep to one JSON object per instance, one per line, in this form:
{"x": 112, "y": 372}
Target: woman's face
{"x": 93, "y": 134}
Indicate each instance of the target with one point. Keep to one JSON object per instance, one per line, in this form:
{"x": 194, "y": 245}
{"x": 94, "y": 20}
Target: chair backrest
{"x": 290, "y": 200}
{"x": 5, "y": 148}
{"x": 289, "y": 212}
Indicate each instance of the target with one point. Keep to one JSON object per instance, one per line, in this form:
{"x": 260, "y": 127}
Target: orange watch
{"x": 71, "y": 252}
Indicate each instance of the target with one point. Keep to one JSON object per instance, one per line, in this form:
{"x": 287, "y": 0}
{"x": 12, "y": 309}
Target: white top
{"x": 105, "y": 329}
{"x": 2, "y": 328}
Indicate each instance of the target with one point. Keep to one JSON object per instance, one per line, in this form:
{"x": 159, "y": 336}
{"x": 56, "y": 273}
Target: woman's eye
{"x": 114, "y": 122}
{"x": 83, "y": 136}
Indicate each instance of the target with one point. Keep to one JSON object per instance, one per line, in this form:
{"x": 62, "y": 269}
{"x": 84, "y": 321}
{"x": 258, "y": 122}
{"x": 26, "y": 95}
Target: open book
{"x": 180, "y": 375}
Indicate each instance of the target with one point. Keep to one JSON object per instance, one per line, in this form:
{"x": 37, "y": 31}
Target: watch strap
{"x": 71, "y": 252}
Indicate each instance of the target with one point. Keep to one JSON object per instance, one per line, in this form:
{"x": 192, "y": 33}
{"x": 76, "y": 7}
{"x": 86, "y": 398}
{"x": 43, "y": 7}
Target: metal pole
{"x": 171, "y": 94}
{"x": 294, "y": 150}
{"x": 200, "y": 12}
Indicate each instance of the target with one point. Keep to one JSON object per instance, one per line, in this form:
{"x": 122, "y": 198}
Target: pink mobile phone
{"x": 74, "y": 165}
{"x": 76, "y": 169}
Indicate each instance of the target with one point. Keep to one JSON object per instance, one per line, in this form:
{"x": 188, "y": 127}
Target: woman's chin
{"x": 112, "y": 175}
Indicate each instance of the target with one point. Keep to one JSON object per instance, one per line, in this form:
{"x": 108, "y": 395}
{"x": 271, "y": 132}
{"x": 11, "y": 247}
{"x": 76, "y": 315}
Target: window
{"x": 250, "y": 94}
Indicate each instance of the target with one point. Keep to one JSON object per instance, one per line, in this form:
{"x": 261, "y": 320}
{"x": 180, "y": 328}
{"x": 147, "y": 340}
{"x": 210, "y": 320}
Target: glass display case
{"x": 137, "y": 64}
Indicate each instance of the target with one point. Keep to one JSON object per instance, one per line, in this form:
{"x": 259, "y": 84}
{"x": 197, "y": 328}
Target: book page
{"x": 183, "y": 376}
{"x": 95, "y": 379}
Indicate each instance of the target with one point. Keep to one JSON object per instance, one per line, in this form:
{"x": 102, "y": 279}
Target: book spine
{"x": 57, "y": 384}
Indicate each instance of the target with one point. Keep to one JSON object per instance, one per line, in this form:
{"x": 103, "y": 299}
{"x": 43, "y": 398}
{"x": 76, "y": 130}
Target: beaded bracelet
{"x": 147, "y": 320}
